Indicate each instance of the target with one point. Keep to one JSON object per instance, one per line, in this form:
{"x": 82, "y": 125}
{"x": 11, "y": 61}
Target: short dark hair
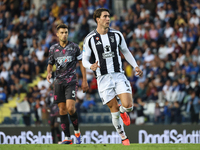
{"x": 61, "y": 26}
{"x": 97, "y": 13}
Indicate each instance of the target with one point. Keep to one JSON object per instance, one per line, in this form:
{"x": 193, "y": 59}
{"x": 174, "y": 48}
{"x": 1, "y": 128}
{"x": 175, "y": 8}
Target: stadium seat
{"x": 106, "y": 119}
{"x": 98, "y": 119}
{"x": 90, "y": 119}
{"x": 7, "y": 120}
{"x": 14, "y": 120}
{"x": 83, "y": 119}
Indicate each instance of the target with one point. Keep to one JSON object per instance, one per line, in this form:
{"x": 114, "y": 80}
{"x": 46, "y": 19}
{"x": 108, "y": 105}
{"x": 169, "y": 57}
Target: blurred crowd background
{"x": 162, "y": 35}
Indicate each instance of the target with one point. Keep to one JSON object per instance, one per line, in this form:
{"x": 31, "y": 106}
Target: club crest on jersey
{"x": 112, "y": 39}
{"x": 107, "y": 52}
{"x": 97, "y": 38}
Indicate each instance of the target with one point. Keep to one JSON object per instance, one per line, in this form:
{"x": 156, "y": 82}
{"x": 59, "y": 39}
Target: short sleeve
{"x": 78, "y": 53}
{"x": 86, "y": 47}
{"x": 51, "y": 56}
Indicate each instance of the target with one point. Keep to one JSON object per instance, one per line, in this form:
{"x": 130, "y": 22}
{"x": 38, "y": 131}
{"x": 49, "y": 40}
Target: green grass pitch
{"x": 100, "y": 147}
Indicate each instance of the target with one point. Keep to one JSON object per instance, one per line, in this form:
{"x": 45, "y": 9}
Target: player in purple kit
{"x": 54, "y": 117}
{"x": 65, "y": 55}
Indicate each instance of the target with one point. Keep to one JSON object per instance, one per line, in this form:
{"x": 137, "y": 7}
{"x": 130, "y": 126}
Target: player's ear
{"x": 97, "y": 19}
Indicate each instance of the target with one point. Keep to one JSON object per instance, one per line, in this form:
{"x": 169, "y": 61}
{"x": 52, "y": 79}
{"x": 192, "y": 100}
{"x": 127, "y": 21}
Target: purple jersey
{"x": 65, "y": 59}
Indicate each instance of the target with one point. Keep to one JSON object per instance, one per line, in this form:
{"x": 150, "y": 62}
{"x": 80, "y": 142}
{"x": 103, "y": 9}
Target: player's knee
{"x": 62, "y": 110}
{"x": 71, "y": 110}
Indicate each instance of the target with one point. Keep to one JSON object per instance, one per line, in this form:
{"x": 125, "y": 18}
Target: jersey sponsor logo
{"x": 64, "y": 59}
{"x": 107, "y": 52}
{"x": 98, "y": 43}
{"x": 57, "y": 50}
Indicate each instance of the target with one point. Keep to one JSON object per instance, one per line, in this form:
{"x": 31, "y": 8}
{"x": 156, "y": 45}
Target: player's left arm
{"x": 84, "y": 85}
{"x": 128, "y": 56}
{"x": 51, "y": 62}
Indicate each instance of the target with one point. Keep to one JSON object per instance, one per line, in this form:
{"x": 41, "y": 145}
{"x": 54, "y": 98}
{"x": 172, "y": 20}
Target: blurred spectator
{"x": 33, "y": 10}
{"x": 140, "y": 115}
{"x": 26, "y": 73}
{"x": 83, "y": 30}
{"x": 194, "y": 20}
{"x": 87, "y": 103}
{"x": 167, "y": 113}
{"x": 141, "y": 91}
{"x": 11, "y": 39}
{"x": 54, "y": 118}
{"x": 80, "y": 94}
{"x": 2, "y": 96}
{"x": 176, "y": 113}
{"x": 55, "y": 10}
{"x": 24, "y": 108}
{"x": 4, "y": 74}
{"x": 93, "y": 86}
{"x": 193, "y": 108}
{"x": 7, "y": 63}
{"x": 157, "y": 114}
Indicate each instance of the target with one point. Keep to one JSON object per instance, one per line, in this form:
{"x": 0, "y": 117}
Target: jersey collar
{"x": 66, "y": 45}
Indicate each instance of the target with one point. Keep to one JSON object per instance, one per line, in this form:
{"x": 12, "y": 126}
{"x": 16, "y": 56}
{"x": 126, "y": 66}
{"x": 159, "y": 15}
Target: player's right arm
{"x": 86, "y": 56}
{"x": 49, "y": 72}
{"x": 128, "y": 56}
{"x": 50, "y": 64}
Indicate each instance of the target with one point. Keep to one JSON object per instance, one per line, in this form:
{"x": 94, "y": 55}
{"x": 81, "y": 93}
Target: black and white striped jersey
{"x": 106, "y": 50}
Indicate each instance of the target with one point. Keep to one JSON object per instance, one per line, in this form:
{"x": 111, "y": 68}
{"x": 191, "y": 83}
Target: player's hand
{"x": 85, "y": 86}
{"x": 95, "y": 66}
{"x": 139, "y": 72}
{"x": 49, "y": 77}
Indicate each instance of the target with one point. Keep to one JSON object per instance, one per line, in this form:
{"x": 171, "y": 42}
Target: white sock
{"x": 78, "y": 131}
{"x": 118, "y": 124}
{"x": 121, "y": 109}
{"x": 67, "y": 138}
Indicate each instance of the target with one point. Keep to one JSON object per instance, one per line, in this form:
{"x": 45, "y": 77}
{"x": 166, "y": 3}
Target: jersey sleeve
{"x": 51, "y": 57}
{"x": 86, "y": 53}
{"x": 125, "y": 51}
{"x": 86, "y": 48}
{"x": 78, "y": 53}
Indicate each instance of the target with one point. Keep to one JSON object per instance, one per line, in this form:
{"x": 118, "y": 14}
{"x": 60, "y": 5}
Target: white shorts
{"x": 113, "y": 84}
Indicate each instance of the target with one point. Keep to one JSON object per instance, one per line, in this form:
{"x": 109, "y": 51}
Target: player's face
{"x": 104, "y": 19}
{"x": 62, "y": 34}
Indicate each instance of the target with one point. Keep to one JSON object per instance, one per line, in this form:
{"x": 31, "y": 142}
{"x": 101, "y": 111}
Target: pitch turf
{"x": 101, "y": 147}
